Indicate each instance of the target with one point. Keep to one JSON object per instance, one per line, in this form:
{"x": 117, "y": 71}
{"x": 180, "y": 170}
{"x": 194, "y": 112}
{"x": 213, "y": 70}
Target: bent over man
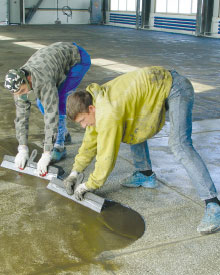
{"x": 51, "y": 73}
{"x": 131, "y": 108}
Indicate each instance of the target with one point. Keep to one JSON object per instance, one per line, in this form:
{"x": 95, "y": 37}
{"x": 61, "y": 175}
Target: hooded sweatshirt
{"x": 48, "y": 68}
{"x": 129, "y": 109}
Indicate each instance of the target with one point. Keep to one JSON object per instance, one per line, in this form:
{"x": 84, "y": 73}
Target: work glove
{"x": 22, "y": 156}
{"x": 71, "y": 181}
{"x": 80, "y": 191}
{"x": 43, "y": 163}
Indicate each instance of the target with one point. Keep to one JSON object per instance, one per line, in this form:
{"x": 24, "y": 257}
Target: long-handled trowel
{"x": 30, "y": 168}
{"x": 90, "y": 200}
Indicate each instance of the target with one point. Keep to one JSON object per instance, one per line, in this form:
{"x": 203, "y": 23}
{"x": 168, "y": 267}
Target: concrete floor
{"x": 44, "y": 233}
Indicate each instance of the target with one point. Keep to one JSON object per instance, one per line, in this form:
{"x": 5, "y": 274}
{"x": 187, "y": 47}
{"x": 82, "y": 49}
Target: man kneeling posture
{"x": 131, "y": 108}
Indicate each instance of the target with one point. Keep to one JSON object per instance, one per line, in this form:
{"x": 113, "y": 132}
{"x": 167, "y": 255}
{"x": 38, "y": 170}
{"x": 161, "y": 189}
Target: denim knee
{"x": 181, "y": 149}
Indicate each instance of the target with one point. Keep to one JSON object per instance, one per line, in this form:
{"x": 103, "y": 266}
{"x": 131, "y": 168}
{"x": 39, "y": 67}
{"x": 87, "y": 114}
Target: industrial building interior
{"x": 147, "y": 231}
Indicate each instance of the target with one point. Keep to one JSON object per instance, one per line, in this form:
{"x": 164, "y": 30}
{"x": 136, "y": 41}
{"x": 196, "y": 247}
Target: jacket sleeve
{"x": 108, "y": 144}
{"x": 50, "y": 102}
{"x": 87, "y": 151}
{"x": 23, "y": 106}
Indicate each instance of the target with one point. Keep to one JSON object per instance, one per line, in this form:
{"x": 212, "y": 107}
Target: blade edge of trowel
{"x": 90, "y": 200}
{"x": 8, "y": 162}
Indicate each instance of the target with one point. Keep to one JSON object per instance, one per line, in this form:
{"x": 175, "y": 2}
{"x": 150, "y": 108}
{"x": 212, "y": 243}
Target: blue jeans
{"x": 180, "y": 104}
{"x": 73, "y": 79}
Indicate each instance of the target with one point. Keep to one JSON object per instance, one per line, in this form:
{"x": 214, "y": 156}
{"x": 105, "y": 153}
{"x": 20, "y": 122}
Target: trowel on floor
{"x": 90, "y": 200}
{"x": 30, "y": 168}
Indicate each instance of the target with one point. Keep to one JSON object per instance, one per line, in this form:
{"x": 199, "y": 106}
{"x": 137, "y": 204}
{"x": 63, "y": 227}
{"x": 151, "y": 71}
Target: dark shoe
{"x": 67, "y": 139}
{"x": 58, "y": 154}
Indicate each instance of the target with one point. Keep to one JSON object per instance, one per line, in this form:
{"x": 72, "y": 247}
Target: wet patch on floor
{"x": 42, "y": 232}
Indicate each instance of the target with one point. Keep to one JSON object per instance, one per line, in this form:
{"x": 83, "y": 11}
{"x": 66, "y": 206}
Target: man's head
{"x": 17, "y": 81}
{"x": 80, "y": 108}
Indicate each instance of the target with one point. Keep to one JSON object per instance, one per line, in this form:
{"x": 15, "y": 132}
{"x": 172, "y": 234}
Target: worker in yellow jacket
{"x": 131, "y": 109}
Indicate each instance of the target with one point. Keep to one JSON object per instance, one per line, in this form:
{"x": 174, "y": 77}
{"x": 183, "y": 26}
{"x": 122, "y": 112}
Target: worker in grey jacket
{"x": 51, "y": 74}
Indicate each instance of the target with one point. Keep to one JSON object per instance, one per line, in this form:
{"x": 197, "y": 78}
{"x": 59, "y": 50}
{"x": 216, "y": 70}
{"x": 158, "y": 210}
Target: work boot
{"x": 58, "y": 154}
{"x": 211, "y": 220}
{"x": 139, "y": 179}
{"x": 67, "y": 140}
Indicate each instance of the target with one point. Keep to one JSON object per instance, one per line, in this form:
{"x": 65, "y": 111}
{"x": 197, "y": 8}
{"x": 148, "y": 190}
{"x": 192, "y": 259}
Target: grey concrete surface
{"x": 43, "y": 233}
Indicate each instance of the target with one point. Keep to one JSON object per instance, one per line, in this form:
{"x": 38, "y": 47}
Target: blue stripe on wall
{"x": 175, "y": 23}
{"x": 172, "y": 18}
{"x": 128, "y": 19}
{"x": 122, "y": 22}
{"x": 122, "y": 15}
{"x": 122, "y": 18}
{"x": 174, "y": 28}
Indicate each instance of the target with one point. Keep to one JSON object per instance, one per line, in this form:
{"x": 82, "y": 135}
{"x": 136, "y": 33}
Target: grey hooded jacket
{"x": 48, "y": 68}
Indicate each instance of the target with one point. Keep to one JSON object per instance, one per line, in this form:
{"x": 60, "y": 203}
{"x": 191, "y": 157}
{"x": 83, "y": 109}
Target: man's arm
{"x": 85, "y": 155}
{"x": 108, "y": 144}
{"x": 23, "y": 107}
{"x": 50, "y": 102}
{"x": 87, "y": 151}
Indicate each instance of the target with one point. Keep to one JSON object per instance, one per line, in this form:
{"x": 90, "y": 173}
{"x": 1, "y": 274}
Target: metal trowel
{"x": 90, "y": 200}
{"x": 30, "y": 168}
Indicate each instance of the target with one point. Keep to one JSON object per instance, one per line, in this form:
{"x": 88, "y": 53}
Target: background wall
{"x": 3, "y": 12}
{"x": 166, "y": 21}
{"x": 47, "y": 12}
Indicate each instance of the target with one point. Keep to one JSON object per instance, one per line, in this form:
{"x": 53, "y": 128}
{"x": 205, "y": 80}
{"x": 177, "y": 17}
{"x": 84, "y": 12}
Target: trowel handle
{"x": 32, "y": 156}
{"x": 80, "y": 178}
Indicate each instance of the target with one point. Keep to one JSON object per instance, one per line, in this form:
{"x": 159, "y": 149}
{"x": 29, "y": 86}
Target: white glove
{"x": 22, "y": 156}
{"x": 43, "y": 163}
{"x": 70, "y": 182}
{"x": 81, "y": 189}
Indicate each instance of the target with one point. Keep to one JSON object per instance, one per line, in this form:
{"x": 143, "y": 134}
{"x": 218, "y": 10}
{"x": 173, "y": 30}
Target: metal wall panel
{"x": 14, "y": 12}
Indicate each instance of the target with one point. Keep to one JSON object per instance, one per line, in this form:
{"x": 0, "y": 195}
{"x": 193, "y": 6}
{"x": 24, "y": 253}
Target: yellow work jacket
{"x": 129, "y": 109}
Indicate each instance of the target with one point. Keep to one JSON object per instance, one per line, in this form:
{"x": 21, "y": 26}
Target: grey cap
{"x": 14, "y": 79}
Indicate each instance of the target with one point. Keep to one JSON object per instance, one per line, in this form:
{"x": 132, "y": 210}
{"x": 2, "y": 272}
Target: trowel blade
{"x": 30, "y": 169}
{"x": 90, "y": 200}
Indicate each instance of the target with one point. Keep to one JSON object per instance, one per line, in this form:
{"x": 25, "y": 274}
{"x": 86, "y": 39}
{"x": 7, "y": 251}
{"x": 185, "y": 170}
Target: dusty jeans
{"x": 180, "y": 104}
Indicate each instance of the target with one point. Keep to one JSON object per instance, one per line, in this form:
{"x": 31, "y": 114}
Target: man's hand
{"x": 43, "y": 163}
{"x": 22, "y": 156}
{"x": 70, "y": 181}
{"x": 80, "y": 190}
